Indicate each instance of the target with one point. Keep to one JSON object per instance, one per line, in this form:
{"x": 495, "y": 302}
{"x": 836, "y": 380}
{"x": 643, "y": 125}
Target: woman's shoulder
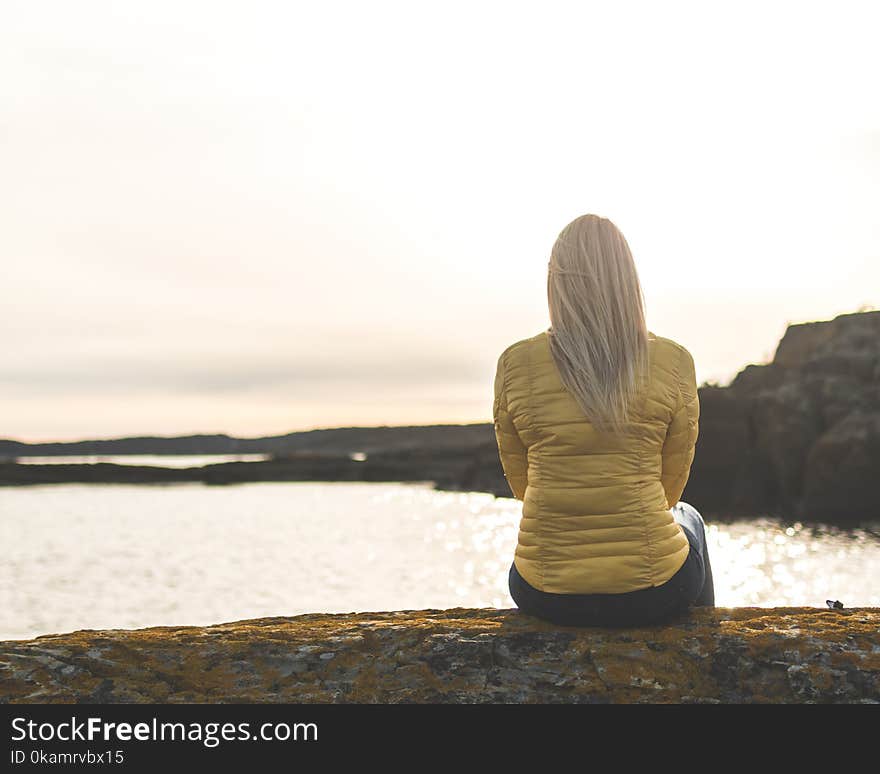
{"x": 524, "y": 347}
{"x": 666, "y": 346}
{"x": 666, "y": 353}
{"x": 669, "y": 355}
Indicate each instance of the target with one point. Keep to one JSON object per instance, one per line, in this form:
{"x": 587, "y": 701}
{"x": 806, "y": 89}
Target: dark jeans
{"x": 692, "y": 584}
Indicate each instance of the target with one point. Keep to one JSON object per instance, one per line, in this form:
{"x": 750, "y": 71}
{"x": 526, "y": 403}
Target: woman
{"x": 596, "y": 421}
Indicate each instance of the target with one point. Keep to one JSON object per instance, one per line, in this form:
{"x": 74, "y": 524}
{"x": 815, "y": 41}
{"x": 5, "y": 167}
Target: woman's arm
{"x": 681, "y": 435}
{"x": 513, "y": 454}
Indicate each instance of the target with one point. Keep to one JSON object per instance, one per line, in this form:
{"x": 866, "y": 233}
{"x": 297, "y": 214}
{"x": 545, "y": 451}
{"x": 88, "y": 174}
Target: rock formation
{"x": 460, "y": 656}
{"x": 800, "y": 436}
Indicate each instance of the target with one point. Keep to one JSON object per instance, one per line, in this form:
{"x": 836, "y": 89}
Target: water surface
{"x": 150, "y": 460}
{"x": 126, "y": 556}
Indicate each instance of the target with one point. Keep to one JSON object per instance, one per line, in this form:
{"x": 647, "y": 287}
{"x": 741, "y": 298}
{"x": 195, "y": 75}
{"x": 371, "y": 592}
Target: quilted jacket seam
{"x": 542, "y": 505}
{"x": 649, "y": 548}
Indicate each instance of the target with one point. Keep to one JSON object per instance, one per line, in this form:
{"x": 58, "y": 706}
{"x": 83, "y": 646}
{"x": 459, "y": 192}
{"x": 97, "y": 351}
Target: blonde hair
{"x": 598, "y": 336}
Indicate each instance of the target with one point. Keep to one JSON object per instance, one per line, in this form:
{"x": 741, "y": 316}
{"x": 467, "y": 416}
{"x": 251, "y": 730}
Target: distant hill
{"x": 335, "y": 440}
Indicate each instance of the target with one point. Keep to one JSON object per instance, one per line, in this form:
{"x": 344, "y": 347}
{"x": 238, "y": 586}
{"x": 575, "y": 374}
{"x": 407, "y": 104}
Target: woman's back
{"x": 596, "y": 505}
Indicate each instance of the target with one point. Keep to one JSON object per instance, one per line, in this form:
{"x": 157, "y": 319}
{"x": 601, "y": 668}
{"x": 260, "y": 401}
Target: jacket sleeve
{"x": 681, "y": 435}
{"x": 513, "y": 454}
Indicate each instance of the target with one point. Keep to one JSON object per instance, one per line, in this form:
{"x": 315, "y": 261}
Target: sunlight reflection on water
{"x": 117, "y": 556}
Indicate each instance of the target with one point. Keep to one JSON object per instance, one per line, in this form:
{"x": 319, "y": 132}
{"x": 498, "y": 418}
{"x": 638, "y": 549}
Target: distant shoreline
{"x": 474, "y": 468}
{"x": 338, "y": 440}
{"x": 454, "y": 457}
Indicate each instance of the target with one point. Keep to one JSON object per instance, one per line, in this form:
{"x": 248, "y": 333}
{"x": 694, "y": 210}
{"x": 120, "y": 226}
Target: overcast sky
{"x": 259, "y": 217}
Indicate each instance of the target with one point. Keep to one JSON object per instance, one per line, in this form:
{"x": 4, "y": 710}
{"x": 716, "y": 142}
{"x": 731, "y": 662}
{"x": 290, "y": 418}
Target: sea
{"x": 113, "y": 556}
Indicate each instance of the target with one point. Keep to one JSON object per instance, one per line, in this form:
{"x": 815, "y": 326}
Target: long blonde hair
{"x": 598, "y": 336}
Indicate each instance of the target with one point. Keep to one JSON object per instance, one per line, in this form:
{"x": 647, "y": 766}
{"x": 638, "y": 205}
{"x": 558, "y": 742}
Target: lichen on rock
{"x": 461, "y": 655}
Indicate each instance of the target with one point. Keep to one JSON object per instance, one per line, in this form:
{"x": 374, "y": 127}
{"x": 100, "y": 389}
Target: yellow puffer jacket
{"x": 596, "y": 513}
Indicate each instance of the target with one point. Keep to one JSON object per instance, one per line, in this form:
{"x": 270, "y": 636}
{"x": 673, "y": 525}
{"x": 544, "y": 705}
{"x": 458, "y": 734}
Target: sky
{"x": 259, "y": 217}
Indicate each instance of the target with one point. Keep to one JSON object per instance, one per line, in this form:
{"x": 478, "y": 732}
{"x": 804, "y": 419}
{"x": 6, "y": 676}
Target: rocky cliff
{"x": 800, "y": 436}
{"x": 459, "y": 655}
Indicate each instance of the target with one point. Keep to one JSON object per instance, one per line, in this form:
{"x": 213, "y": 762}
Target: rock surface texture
{"x": 800, "y": 436}
{"x": 460, "y": 656}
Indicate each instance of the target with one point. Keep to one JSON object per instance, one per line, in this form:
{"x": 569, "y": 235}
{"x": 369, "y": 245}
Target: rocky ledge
{"x": 460, "y": 655}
